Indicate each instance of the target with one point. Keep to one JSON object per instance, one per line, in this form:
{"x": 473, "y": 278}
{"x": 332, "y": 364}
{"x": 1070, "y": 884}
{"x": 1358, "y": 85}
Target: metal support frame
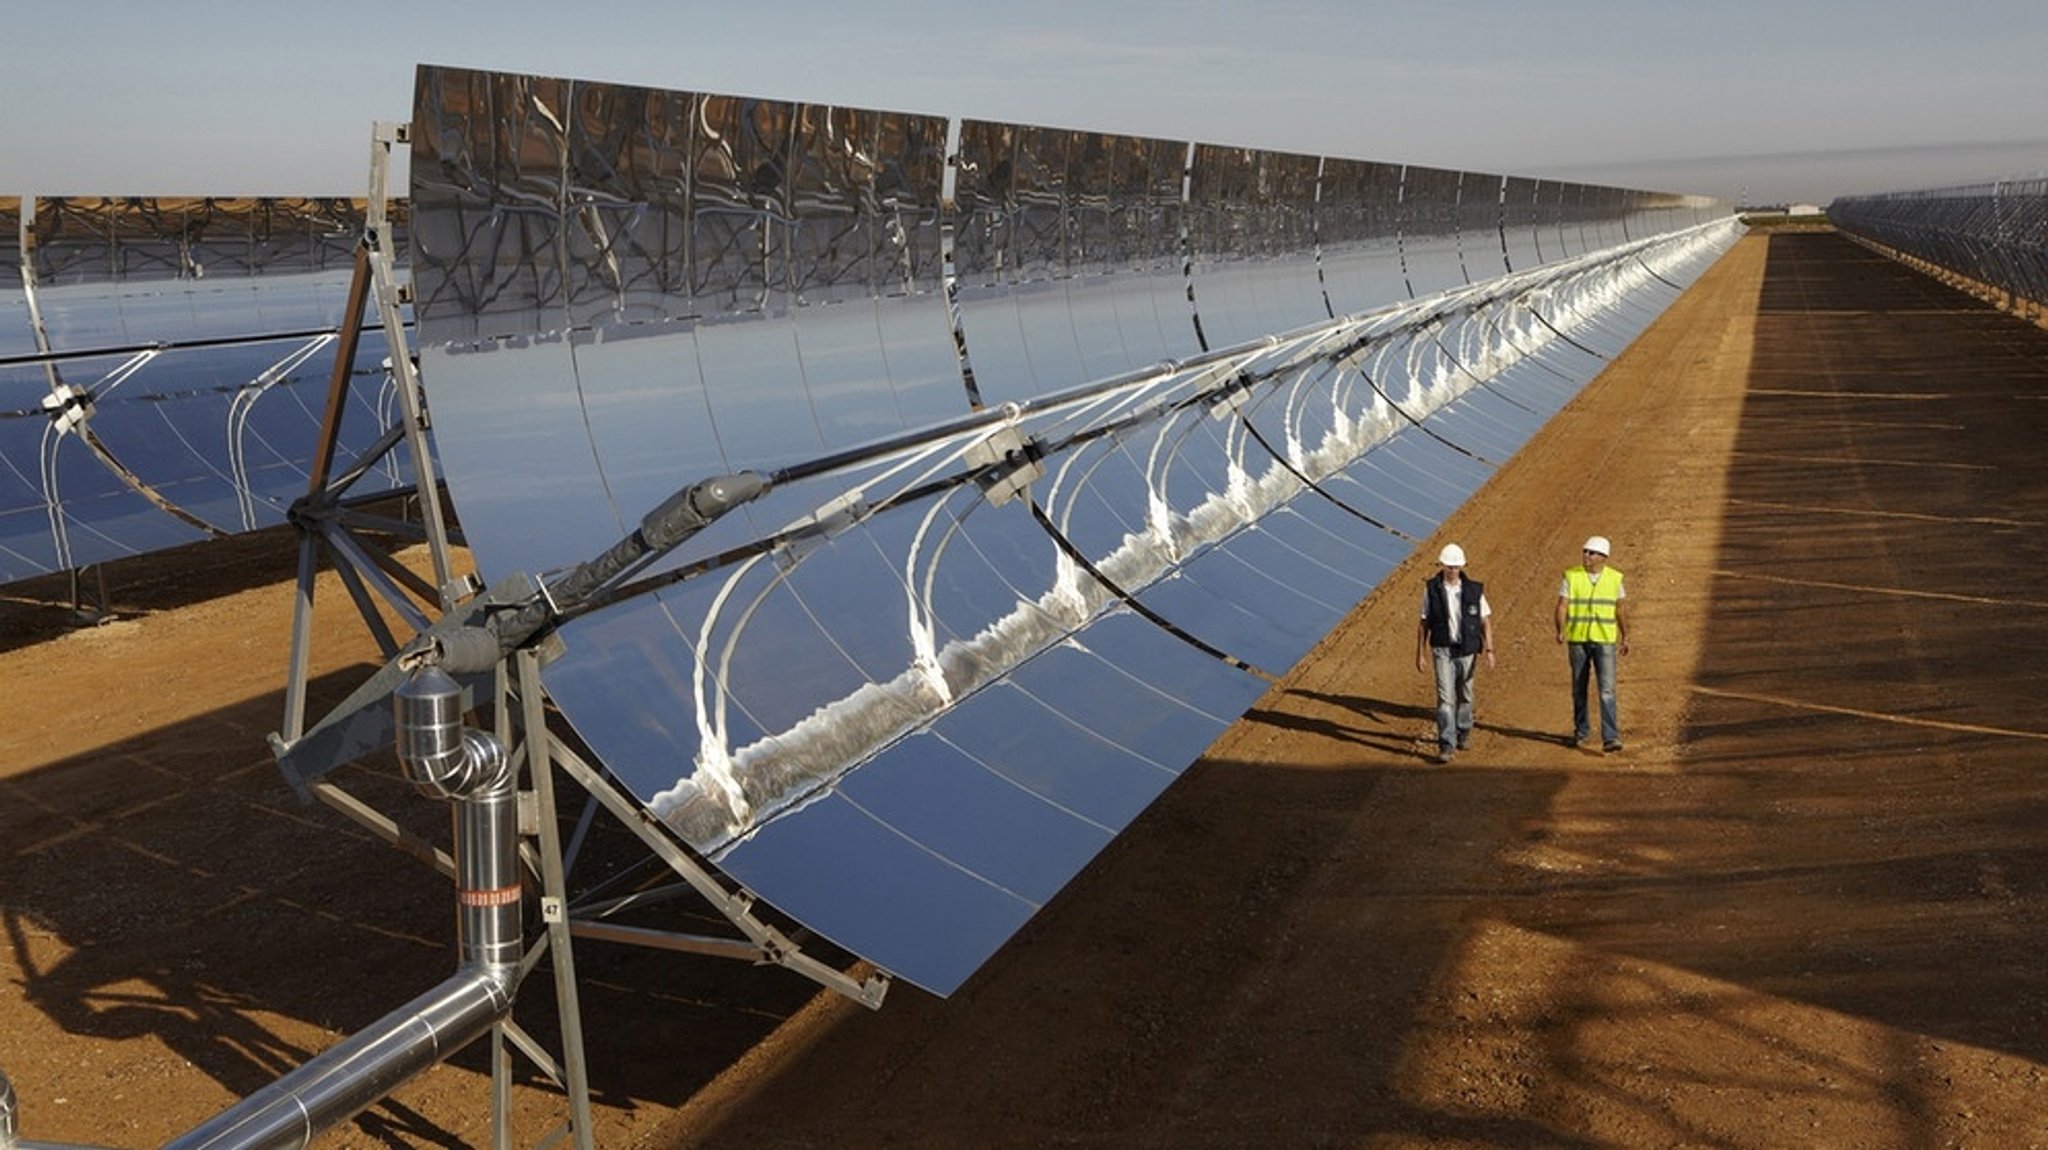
{"x": 90, "y": 605}
{"x": 760, "y": 941}
{"x": 377, "y": 585}
{"x": 520, "y": 683}
{"x": 324, "y": 524}
{"x": 377, "y": 582}
{"x": 2003, "y": 297}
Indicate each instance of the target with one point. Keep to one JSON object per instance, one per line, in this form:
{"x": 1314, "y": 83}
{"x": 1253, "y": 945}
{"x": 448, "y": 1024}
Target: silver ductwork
{"x": 444, "y": 759}
{"x": 440, "y": 756}
{"x": 356, "y": 1073}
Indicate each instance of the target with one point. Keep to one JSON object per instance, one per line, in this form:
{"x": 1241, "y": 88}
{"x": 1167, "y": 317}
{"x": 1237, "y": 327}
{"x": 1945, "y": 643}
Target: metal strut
{"x": 1559, "y": 332}
{"x": 1483, "y": 382}
{"x": 1073, "y": 552}
{"x": 1655, "y": 275}
{"x": 141, "y": 486}
{"x": 1280, "y": 458}
{"x": 478, "y": 999}
{"x": 1419, "y": 425}
{"x": 317, "y": 514}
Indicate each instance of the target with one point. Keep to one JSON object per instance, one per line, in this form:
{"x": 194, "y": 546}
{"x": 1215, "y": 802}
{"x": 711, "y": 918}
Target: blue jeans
{"x": 1595, "y": 661}
{"x": 1453, "y": 695}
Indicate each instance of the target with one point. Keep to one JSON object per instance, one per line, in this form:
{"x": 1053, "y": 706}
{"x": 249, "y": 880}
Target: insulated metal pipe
{"x": 362, "y": 1069}
{"x": 441, "y": 757}
{"x": 487, "y": 892}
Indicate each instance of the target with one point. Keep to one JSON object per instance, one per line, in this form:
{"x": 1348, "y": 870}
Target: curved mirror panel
{"x": 1043, "y": 477}
{"x": 165, "y": 367}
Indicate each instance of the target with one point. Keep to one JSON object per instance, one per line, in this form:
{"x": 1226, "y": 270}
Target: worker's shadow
{"x": 1393, "y": 728}
{"x": 1383, "y": 725}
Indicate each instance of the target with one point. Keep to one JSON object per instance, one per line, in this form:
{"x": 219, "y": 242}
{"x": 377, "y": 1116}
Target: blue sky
{"x": 1769, "y": 102}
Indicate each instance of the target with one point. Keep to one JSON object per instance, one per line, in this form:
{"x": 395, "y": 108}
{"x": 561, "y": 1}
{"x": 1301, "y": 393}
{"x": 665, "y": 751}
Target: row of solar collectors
{"x": 1995, "y": 234}
{"x": 815, "y": 250}
{"x": 164, "y": 368}
{"x": 891, "y": 707}
{"x": 691, "y": 206}
{"x": 911, "y": 733}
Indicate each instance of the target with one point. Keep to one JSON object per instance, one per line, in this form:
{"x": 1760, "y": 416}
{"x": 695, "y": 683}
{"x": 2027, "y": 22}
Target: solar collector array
{"x": 164, "y": 364}
{"x": 1994, "y": 234}
{"x": 909, "y": 729}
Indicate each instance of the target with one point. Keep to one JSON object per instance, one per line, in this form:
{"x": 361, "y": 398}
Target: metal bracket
{"x": 1012, "y": 463}
{"x": 1227, "y": 400}
{"x": 69, "y": 407}
{"x": 763, "y": 943}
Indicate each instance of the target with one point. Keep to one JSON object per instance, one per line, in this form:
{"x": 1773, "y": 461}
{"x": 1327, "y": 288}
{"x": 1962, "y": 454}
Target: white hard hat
{"x": 1453, "y": 555}
{"x": 1598, "y": 543}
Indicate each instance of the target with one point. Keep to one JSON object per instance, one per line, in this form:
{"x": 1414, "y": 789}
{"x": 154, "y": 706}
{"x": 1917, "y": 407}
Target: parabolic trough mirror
{"x": 164, "y": 371}
{"x": 915, "y": 498}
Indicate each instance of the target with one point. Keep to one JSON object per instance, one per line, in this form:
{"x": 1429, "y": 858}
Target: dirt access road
{"x": 1805, "y": 907}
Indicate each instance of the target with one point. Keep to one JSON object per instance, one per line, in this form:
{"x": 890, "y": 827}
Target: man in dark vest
{"x": 1456, "y": 628}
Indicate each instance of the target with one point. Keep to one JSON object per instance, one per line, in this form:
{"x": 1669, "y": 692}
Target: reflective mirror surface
{"x": 1072, "y": 442}
{"x": 164, "y": 368}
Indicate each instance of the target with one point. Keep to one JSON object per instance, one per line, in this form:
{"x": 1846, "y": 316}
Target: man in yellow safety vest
{"x": 1593, "y": 625}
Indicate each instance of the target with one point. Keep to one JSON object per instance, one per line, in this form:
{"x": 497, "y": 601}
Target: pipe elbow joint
{"x": 439, "y": 755}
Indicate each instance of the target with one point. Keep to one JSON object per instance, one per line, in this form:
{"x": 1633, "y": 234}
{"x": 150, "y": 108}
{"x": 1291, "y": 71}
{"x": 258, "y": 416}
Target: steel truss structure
{"x": 377, "y": 581}
{"x": 1990, "y": 239}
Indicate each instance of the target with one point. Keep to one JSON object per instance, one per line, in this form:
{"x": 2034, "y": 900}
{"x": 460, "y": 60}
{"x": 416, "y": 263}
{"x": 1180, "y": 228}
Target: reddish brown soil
{"x": 1807, "y": 906}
